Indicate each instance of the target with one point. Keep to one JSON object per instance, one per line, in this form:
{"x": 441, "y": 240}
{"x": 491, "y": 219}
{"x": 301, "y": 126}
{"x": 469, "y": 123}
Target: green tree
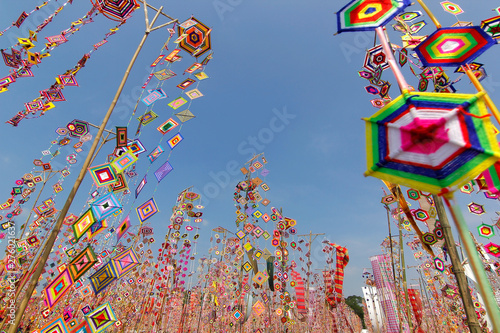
{"x": 356, "y": 304}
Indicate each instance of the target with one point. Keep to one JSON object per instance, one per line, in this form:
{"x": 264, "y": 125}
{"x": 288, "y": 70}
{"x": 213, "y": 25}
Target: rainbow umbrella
{"x": 368, "y": 14}
{"x": 453, "y": 46}
{"x": 430, "y": 141}
{"x": 492, "y": 27}
{"x": 116, "y": 10}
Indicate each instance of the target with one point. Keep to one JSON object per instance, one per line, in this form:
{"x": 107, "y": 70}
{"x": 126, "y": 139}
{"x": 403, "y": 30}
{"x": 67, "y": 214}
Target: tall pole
{"x": 402, "y": 262}
{"x": 458, "y": 269}
{"x": 55, "y": 231}
{"x": 398, "y": 299}
{"x": 475, "y": 262}
{"x": 426, "y": 296}
{"x": 311, "y": 240}
{"x": 51, "y": 174}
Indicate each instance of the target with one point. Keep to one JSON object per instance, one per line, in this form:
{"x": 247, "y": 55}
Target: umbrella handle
{"x": 403, "y": 85}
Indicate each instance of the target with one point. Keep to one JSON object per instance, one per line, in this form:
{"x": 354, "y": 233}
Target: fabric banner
{"x": 382, "y": 272}
{"x": 327, "y": 277}
{"x": 342, "y": 260}
{"x": 416, "y": 305}
{"x": 300, "y": 292}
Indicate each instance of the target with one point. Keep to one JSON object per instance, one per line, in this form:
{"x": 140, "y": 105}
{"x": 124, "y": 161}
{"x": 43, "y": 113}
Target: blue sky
{"x": 280, "y": 83}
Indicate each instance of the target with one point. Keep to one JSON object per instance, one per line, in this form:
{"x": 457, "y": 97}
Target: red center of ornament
{"x": 424, "y": 136}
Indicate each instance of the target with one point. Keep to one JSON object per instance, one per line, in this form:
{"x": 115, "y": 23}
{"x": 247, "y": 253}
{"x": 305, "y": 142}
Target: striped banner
{"x": 342, "y": 260}
{"x": 382, "y": 272}
{"x": 327, "y": 277}
{"x": 416, "y": 305}
{"x": 299, "y": 292}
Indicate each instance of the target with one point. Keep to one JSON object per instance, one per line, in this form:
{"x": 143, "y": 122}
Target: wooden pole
{"x": 429, "y": 13}
{"x": 458, "y": 270}
{"x": 51, "y": 174}
{"x": 57, "y": 228}
{"x": 475, "y": 263}
{"x": 426, "y": 296}
{"x": 402, "y": 262}
{"x": 398, "y": 295}
{"x": 311, "y": 240}
{"x": 35, "y": 261}
{"x": 403, "y": 85}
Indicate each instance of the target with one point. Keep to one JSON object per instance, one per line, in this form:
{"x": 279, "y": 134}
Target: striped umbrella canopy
{"x": 431, "y": 142}
{"x": 492, "y": 27}
{"x": 453, "y": 46}
{"x": 116, "y": 10}
{"x": 368, "y": 14}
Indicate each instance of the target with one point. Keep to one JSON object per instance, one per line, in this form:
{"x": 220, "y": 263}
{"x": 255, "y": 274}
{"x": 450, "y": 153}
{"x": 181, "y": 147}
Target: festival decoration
{"x": 493, "y": 249}
{"x": 492, "y": 27}
{"x": 102, "y": 278}
{"x": 475, "y": 208}
{"x": 58, "y": 288}
{"x": 81, "y": 263}
{"x": 83, "y": 224}
{"x": 197, "y": 40}
{"x": 117, "y": 10}
{"x": 56, "y": 326}
{"x": 453, "y": 46}
{"x": 105, "y": 206}
{"x": 486, "y": 230}
{"x": 103, "y": 175}
{"x": 124, "y": 262}
{"x": 101, "y": 318}
{"x": 367, "y": 14}
{"x": 146, "y": 210}
{"x": 451, "y": 7}
{"x": 416, "y": 147}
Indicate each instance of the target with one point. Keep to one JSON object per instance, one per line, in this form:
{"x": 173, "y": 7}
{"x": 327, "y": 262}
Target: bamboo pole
{"x": 429, "y": 13}
{"x": 475, "y": 262}
{"x": 51, "y": 174}
{"x": 403, "y": 85}
{"x": 55, "y": 231}
{"x": 311, "y": 240}
{"x": 423, "y": 288}
{"x": 402, "y": 262}
{"x": 398, "y": 299}
{"x": 458, "y": 270}
{"x": 37, "y": 257}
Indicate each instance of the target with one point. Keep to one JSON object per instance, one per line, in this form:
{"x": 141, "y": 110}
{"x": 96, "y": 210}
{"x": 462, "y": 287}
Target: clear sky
{"x": 280, "y": 83}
